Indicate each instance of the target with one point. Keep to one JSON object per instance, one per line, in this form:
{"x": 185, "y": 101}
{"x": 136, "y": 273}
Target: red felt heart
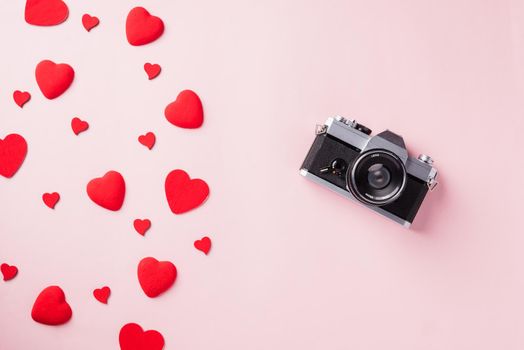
{"x": 50, "y": 199}
{"x": 147, "y": 140}
{"x": 78, "y": 125}
{"x": 142, "y": 28}
{"x": 102, "y": 294}
{"x": 9, "y": 271}
{"x": 21, "y": 97}
{"x": 133, "y": 337}
{"x": 204, "y": 244}
{"x": 155, "y": 276}
{"x": 53, "y": 79}
{"x": 186, "y": 111}
{"x": 108, "y": 191}
{"x": 184, "y": 193}
{"x": 141, "y": 226}
{"x": 89, "y": 22}
{"x": 152, "y": 70}
{"x": 51, "y": 308}
{"x": 45, "y": 12}
{"x": 13, "y": 150}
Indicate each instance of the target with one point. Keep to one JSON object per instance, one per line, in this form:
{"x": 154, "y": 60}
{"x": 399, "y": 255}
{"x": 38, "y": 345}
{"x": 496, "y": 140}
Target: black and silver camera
{"x": 374, "y": 170}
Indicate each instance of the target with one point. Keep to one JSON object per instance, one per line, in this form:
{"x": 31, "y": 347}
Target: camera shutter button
{"x": 425, "y": 159}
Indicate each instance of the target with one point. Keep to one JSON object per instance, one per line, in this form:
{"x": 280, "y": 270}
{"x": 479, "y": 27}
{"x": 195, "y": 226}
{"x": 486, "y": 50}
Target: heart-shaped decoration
{"x": 108, "y": 191}
{"x": 133, "y": 337}
{"x": 51, "y": 307}
{"x": 21, "y": 97}
{"x": 186, "y": 111}
{"x": 204, "y": 244}
{"x": 102, "y": 294}
{"x": 13, "y": 150}
{"x": 141, "y": 226}
{"x": 45, "y": 12}
{"x": 184, "y": 193}
{"x": 152, "y": 70}
{"x": 78, "y": 125}
{"x": 155, "y": 276}
{"x": 53, "y": 79}
{"x": 50, "y": 199}
{"x": 142, "y": 28}
{"x": 89, "y": 22}
{"x": 147, "y": 140}
{"x": 8, "y": 271}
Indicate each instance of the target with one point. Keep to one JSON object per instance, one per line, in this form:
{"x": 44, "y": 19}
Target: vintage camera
{"x": 374, "y": 170}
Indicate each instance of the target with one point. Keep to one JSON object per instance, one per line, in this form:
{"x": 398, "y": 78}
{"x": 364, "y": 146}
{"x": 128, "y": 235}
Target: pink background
{"x": 293, "y": 266}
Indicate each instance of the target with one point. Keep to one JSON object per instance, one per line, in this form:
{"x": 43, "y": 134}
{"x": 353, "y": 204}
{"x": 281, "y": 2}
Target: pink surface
{"x": 293, "y": 266}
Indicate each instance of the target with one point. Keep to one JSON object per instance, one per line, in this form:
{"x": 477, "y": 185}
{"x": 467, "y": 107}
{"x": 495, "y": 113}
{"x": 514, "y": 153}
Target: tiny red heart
{"x": 141, "y": 226}
{"x": 102, "y": 294}
{"x": 45, "y": 12}
{"x": 155, "y": 277}
{"x": 89, "y": 22}
{"x": 13, "y": 149}
{"x": 50, "y": 199}
{"x": 184, "y": 193}
{"x": 21, "y": 97}
{"x": 108, "y": 191}
{"x": 152, "y": 70}
{"x": 78, "y": 125}
{"x": 8, "y": 271}
{"x": 133, "y": 337}
{"x": 53, "y": 79}
{"x": 186, "y": 111}
{"x": 142, "y": 28}
{"x": 204, "y": 244}
{"x": 51, "y": 307}
{"x": 147, "y": 140}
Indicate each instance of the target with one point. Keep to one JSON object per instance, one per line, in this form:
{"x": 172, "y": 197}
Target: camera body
{"x": 376, "y": 171}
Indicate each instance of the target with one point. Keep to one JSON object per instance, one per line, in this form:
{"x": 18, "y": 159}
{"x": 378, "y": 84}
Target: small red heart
{"x": 102, "y": 294}
{"x": 108, "y": 191}
{"x": 51, "y": 307}
{"x": 21, "y": 97}
{"x": 142, "y": 28}
{"x": 45, "y": 12}
{"x": 89, "y": 22}
{"x": 147, "y": 140}
{"x": 204, "y": 244}
{"x": 50, "y": 199}
{"x": 152, "y": 70}
{"x": 141, "y": 226}
{"x": 78, "y": 125}
{"x": 9, "y": 271}
{"x": 186, "y": 111}
{"x": 184, "y": 193}
{"x": 133, "y": 337}
{"x": 13, "y": 150}
{"x": 53, "y": 79}
{"x": 155, "y": 276}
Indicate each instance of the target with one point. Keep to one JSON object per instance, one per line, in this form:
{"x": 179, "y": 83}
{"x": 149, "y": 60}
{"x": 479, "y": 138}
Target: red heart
{"x": 183, "y": 193}
{"x": 89, "y": 22}
{"x": 50, "y": 199}
{"x": 45, "y": 12}
{"x": 147, "y": 140}
{"x": 141, "y": 226}
{"x": 133, "y": 337}
{"x": 155, "y": 276}
{"x": 21, "y": 97}
{"x": 53, "y": 79}
{"x": 142, "y": 28}
{"x": 152, "y": 70}
{"x": 51, "y": 308}
{"x": 102, "y": 294}
{"x": 78, "y": 125}
{"x": 108, "y": 191}
{"x": 186, "y": 111}
{"x": 203, "y": 244}
{"x": 13, "y": 150}
{"x": 9, "y": 271}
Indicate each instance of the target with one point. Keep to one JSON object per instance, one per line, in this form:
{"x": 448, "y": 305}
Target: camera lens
{"x": 378, "y": 176}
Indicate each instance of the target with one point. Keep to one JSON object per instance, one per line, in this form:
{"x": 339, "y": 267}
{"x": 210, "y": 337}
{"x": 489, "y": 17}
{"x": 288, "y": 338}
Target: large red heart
{"x": 102, "y": 294}
{"x": 45, "y": 12}
{"x": 108, "y": 191}
{"x": 78, "y": 125}
{"x": 89, "y": 22}
{"x": 155, "y": 276}
{"x": 21, "y": 97}
{"x": 133, "y": 337}
{"x": 51, "y": 308}
{"x": 13, "y": 150}
{"x": 186, "y": 111}
{"x": 53, "y": 79}
{"x": 8, "y": 271}
{"x": 141, "y": 226}
{"x": 152, "y": 70}
{"x": 184, "y": 193}
{"x": 50, "y": 199}
{"x": 204, "y": 244}
{"x": 147, "y": 140}
{"x": 142, "y": 28}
